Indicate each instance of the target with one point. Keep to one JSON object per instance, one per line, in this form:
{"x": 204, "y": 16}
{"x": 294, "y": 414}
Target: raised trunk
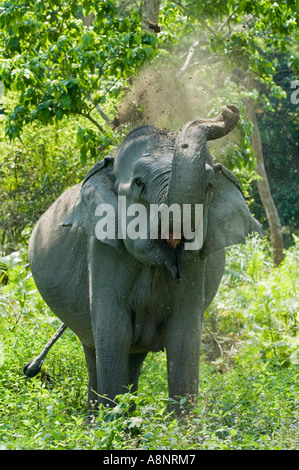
{"x": 187, "y": 180}
{"x": 187, "y": 183}
{"x": 276, "y": 237}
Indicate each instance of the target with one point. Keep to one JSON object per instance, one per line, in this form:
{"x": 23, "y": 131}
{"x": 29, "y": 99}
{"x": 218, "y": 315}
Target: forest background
{"x": 76, "y": 79}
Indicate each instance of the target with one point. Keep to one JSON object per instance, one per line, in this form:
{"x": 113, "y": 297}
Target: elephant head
{"x": 154, "y": 167}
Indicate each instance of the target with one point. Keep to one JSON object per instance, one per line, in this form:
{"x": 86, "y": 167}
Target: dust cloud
{"x": 158, "y": 97}
{"x": 167, "y": 98}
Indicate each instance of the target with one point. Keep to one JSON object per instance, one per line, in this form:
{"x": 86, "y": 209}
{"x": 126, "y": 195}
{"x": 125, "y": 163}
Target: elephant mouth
{"x": 174, "y": 242}
{"x": 175, "y": 255}
{"x": 173, "y": 250}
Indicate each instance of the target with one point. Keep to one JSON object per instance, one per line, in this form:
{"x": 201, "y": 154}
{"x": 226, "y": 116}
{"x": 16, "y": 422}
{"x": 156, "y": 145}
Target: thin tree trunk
{"x": 276, "y": 238}
{"x": 150, "y": 15}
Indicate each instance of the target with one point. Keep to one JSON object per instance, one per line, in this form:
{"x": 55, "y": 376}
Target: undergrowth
{"x": 248, "y": 395}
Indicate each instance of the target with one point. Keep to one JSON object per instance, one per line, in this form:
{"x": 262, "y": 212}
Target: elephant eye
{"x": 138, "y": 182}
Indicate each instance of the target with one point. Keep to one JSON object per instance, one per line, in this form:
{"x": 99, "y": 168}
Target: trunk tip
{"x": 223, "y": 123}
{"x": 231, "y": 112}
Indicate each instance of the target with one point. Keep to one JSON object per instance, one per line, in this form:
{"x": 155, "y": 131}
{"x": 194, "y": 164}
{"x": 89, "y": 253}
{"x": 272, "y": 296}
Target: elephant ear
{"x": 97, "y": 188}
{"x": 229, "y": 219}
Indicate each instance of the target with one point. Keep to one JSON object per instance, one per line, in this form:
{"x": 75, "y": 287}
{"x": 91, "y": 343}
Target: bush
{"x": 255, "y": 309}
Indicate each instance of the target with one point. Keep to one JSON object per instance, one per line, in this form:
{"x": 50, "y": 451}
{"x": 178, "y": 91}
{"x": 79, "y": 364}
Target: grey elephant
{"x": 125, "y": 296}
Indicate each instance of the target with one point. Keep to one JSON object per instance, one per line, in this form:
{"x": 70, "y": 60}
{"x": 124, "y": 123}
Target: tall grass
{"x": 248, "y": 380}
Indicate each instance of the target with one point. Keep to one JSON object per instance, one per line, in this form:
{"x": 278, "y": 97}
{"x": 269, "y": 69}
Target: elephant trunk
{"x": 188, "y": 175}
{"x": 187, "y": 172}
{"x": 187, "y": 184}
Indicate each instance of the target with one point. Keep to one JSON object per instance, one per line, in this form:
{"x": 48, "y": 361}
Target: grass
{"x": 248, "y": 395}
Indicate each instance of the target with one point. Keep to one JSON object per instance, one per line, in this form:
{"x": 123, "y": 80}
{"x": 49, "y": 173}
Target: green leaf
{"x": 59, "y": 114}
{"x": 83, "y": 155}
{"x": 87, "y": 40}
{"x": 66, "y": 102}
{"x": 81, "y": 135}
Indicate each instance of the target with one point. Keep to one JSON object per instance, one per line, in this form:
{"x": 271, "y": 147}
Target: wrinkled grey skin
{"x": 124, "y": 298}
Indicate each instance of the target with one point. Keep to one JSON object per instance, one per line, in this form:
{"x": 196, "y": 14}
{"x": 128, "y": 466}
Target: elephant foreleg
{"x": 182, "y": 341}
{"x": 183, "y": 349}
{"x": 112, "y": 340}
{"x": 111, "y": 324}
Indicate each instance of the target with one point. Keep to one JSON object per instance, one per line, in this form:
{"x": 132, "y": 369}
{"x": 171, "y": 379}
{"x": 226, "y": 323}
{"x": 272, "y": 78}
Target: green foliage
{"x": 34, "y": 172}
{"x": 281, "y": 154}
{"x": 248, "y": 392}
{"x": 60, "y": 67}
{"x": 264, "y": 309}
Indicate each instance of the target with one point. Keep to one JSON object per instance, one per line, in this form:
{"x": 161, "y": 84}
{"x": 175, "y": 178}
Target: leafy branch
{"x": 81, "y": 63}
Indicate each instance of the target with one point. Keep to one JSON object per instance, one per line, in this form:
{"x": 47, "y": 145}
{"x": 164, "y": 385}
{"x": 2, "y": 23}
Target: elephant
{"x": 125, "y": 296}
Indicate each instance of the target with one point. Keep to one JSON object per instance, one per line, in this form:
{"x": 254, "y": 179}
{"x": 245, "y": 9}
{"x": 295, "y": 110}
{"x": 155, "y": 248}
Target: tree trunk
{"x": 276, "y": 238}
{"x": 150, "y": 15}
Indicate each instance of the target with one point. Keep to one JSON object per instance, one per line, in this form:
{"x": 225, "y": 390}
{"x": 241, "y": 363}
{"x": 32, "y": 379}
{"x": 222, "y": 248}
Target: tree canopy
{"x": 59, "y": 66}
{"x": 94, "y": 68}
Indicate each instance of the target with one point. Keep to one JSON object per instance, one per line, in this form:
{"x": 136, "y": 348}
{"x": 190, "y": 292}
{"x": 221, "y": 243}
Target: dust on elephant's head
{"x": 153, "y": 170}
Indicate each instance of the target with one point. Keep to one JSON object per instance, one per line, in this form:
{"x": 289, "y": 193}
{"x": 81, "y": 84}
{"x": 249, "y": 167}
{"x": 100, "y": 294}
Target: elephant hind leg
{"x": 92, "y": 398}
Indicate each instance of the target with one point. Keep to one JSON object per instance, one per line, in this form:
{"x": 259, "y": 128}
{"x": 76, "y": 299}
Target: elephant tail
{"x": 32, "y": 368}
